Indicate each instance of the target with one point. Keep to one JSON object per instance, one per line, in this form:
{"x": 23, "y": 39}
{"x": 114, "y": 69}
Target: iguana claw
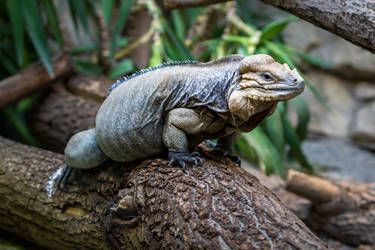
{"x": 63, "y": 178}
{"x": 217, "y": 149}
{"x": 182, "y": 158}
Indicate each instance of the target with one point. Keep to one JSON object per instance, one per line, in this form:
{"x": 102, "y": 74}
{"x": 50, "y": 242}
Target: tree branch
{"x": 216, "y": 206}
{"x": 33, "y": 78}
{"x": 351, "y": 19}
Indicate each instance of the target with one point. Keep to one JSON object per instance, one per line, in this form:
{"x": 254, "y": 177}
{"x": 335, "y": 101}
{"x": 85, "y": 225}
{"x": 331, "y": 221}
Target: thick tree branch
{"x": 351, "y": 19}
{"x": 33, "y": 78}
{"x": 214, "y": 207}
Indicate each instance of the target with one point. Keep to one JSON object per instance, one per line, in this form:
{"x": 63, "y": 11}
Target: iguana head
{"x": 263, "y": 80}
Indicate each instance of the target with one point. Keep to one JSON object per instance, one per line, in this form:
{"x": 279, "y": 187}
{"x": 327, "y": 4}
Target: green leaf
{"x": 87, "y": 67}
{"x": 303, "y": 114}
{"x": 84, "y": 49}
{"x": 124, "y": 67}
{"x": 79, "y": 12}
{"x": 178, "y": 23}
{"x": 315, "y": 92}
{"x": 184, "y": 53}
{"x": 24, "y": 104}
{"x": 53, "y": 20}
{"x": 274, "y": 127}
{"x": 274, "y": 28}
{"x": 124, "y": 11}
{"x": 34, "y": 24}
{"x": 20, "y": 126}
{"x": 294, "y": 143}
{"x": 15, "y": 9}
{"x": 281, "y": 55}
{"x": 107, "y": 10}
{"x": 267, "y": 152}
{"x": 7, "y": 63}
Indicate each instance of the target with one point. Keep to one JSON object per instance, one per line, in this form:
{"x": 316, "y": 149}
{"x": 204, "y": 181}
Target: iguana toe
{"x": 183, "y": 158}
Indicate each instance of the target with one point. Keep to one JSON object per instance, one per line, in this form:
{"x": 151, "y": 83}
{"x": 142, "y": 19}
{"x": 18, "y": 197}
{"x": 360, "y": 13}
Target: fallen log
{"x": 217, "y": 206}
{"x": 33, "y": 78}
{"x": 343, "y": 211}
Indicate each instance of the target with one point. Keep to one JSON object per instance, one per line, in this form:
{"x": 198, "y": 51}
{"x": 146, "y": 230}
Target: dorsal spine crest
{"x": 143, "y": 71}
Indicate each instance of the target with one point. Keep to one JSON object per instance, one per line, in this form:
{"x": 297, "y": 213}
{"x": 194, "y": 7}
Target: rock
{"x": 336, "y": 93}
{"x": 365, "y": 91}
{"x": 363, "y": 129}
{"x": 346, "y": 58}
{"x": 342, "y": 159}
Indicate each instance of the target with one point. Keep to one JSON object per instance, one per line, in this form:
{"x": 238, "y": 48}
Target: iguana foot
{"x": 218, "y": 150}
{"x": 182, "y": 158}
{"x": 63, "y": 178}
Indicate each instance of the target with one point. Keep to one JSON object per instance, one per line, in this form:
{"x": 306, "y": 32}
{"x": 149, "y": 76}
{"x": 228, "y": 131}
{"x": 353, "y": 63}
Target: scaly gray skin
{"x": 173, "y": 108}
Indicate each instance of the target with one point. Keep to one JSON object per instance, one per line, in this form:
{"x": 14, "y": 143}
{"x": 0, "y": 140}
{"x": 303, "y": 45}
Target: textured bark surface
{"x": 33, "y": 78}
{"x": 214, "y": 207}
{"x": 351, "y": 19}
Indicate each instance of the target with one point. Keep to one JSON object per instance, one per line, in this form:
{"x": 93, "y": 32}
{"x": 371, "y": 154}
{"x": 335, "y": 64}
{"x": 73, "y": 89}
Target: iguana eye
{"x": 267, "y": 77}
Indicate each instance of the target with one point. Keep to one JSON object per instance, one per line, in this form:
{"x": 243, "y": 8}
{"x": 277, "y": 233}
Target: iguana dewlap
{"x": 174, "y": 107}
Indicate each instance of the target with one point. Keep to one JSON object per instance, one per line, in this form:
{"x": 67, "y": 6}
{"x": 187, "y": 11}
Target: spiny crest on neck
{"x": 143, "y": 71}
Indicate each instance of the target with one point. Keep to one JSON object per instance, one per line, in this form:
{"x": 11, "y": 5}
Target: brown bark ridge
{"x": 351, "y": 19}
{"x": 33, "y": 78}
{"x": 343, "y": 211}
{"x": 217, "y": 206}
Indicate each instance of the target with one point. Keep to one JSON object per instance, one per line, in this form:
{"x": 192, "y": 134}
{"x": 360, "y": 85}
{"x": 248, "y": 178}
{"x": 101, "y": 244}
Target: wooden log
{"x": 343, "y": 211}
{"x": 33, "y": 78}
{"x": 217, "y": 206}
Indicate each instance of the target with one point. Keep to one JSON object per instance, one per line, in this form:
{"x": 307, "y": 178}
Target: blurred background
{"x": 70, "y": 52}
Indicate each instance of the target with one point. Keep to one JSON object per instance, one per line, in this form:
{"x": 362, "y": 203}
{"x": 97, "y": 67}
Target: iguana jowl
{"x": 175, "y": 107}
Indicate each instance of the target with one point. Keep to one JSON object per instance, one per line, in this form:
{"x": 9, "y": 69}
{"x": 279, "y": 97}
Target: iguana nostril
{"x": 295, "y": 80}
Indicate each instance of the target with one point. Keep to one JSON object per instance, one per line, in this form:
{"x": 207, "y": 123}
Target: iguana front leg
{"x": 179, "y": 122}
{"x": 225, "y": 146}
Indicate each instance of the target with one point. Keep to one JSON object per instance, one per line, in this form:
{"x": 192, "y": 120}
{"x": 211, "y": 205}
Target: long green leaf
{"x": 303, "y": 114}
{"x": 274, "y": 28}
{"x": 279, "y": 53}
{"x": 184, "y": 53}
{"x": 124, "y": 67}
{"x": 79, "y": 12}
{"x": 53, "y": 20}
{"x": 87, "y": 67}
{"x": 107, "y": 10}
{"x": 20, "y": 126}
{"x": 274, "y": 128}
{"x": 123, "y": 13}
{"x": 294, "y": 142}
{"x": 35, "y": 30}
{"x": 178, "y": 23}
{"x": 15, "y": 9}
{"x": 266, "y": 151}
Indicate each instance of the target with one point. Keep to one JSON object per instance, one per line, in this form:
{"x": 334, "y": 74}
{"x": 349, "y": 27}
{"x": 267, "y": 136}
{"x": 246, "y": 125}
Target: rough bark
{"x": 351, "y": 19}
{"x": 32, "y": 79}
{"x": 213, "y": 207}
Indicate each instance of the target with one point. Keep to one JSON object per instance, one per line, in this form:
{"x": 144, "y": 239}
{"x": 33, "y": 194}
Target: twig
{"x": 32, "y": 78}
